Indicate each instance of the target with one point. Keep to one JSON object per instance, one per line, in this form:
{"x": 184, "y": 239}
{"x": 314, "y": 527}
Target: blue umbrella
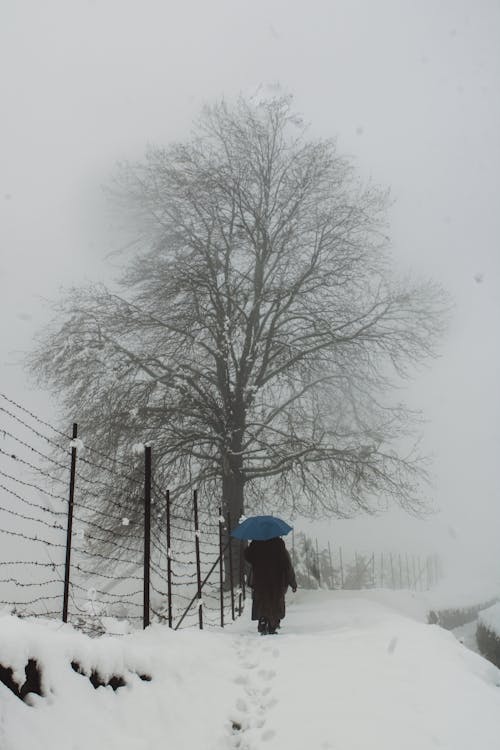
{"x": 261, "y": 528}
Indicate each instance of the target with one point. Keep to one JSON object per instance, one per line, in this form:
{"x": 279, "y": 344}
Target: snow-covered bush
{"x": 305, "y": 562}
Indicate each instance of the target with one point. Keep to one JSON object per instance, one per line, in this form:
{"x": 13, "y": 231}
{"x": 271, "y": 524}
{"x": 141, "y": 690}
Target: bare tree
{"x": 258, "y": 328}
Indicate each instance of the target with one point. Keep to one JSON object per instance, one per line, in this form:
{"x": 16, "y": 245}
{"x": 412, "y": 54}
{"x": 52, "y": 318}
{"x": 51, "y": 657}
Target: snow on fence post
{"x": 221, "y": 568}
{"x": 169, "y": 561}
{"x": 231, "y": 573}
{"x": 197, "y": 550}
{"x": 69, "y": 532}
{"x": 147, "y": 533}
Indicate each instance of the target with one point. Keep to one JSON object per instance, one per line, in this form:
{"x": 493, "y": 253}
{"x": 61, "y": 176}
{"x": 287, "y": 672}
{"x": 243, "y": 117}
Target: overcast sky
{"x": 410, "y": 90}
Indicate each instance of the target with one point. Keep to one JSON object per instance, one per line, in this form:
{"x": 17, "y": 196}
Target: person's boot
{"x": 262, "y": 627}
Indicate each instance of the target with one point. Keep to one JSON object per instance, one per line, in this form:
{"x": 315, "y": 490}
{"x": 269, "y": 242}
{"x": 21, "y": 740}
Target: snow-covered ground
{"x": 348, "y": 671}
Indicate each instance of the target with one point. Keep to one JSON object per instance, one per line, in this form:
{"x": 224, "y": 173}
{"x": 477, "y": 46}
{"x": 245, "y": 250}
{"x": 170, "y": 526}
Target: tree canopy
{"x": 258, "y": 328}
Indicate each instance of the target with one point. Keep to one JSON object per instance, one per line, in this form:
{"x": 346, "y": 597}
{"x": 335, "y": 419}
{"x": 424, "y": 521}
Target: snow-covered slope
{"x": 348, "y": 671}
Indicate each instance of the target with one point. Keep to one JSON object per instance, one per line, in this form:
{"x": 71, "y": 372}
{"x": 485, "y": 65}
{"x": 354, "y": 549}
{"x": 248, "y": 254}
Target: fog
{"x": 410, "y": 90}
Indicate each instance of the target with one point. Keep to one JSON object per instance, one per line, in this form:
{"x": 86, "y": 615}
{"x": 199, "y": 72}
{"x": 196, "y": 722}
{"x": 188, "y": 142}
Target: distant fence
{"x": 329, "y": 567}
{"x": 55, "y": 556}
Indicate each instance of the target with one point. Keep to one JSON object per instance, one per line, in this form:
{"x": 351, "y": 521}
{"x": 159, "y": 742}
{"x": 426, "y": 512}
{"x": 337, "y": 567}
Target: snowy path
{"x": 350, "y": 673}
{"x": 347, "y": 672}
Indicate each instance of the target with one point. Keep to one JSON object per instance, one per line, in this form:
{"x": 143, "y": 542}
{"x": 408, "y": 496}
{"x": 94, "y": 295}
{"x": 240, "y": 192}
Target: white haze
{"x": 411, "y": 92}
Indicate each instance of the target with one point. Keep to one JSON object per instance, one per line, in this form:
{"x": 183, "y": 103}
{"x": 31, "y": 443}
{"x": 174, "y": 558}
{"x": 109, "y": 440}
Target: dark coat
{"x": 271, "y": 574}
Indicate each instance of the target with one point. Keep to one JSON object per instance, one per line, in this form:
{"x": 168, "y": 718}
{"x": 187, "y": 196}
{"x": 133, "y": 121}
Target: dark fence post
{"x": 169, "y": 563}
{"x": 240, "y": 577}
{"x": 147, "y": 533}
{"x": 231, "y": 572}
{"x": 341, "y": 569}
{"x": 243, "y": 582}
{"x": 198, "y": 566}
{"x": 221, "y": 568}
{"x": 69, "y": 532}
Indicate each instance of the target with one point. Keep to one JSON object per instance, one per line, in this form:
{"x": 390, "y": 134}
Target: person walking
{"x": 271, "y": 574}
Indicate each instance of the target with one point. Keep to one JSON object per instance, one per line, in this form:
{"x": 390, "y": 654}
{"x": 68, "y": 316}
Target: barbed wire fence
{"x": 64, "y": 553}
{"x": 330, "y": 567}
{"x": 62, "y": 550}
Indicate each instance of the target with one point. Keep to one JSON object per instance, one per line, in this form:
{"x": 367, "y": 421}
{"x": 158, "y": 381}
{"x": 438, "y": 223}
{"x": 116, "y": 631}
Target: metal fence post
{"x": 198, "y": 565}
{"x": 221, "y": 568}
{"x": 147, "y": 533}
{"x": 69, "y": 532}
{"x": 169, "y": 562}
{"x": 231, "y": 573}
{"x": 318, "y": 563}
{"x": 241, "y": 584}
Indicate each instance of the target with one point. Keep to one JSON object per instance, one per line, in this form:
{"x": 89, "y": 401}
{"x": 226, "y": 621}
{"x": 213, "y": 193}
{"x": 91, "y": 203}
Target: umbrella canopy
{"x": 261, "y": 528}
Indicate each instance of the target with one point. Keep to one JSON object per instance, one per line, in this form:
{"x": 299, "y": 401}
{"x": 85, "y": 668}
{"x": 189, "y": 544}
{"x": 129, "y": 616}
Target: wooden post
{"x": 221, "y": 568}
{"x": 381, "y": 570}
{"x": 198, "y": 562}
{"x": 393, "y": 578}
{"x": 147, "y": 534}
{"x": 341, "y": 569}
{"x": 69, "y": 531}
{"x": 400, "y": 572}
{"x": 169, "y": 563}
{"x": 407, "y": 571}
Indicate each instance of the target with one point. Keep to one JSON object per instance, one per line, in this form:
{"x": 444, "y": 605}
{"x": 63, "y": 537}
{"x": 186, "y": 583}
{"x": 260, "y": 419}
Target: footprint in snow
{"x": 267, "y": 674}
{"x": 268, "y": 735}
